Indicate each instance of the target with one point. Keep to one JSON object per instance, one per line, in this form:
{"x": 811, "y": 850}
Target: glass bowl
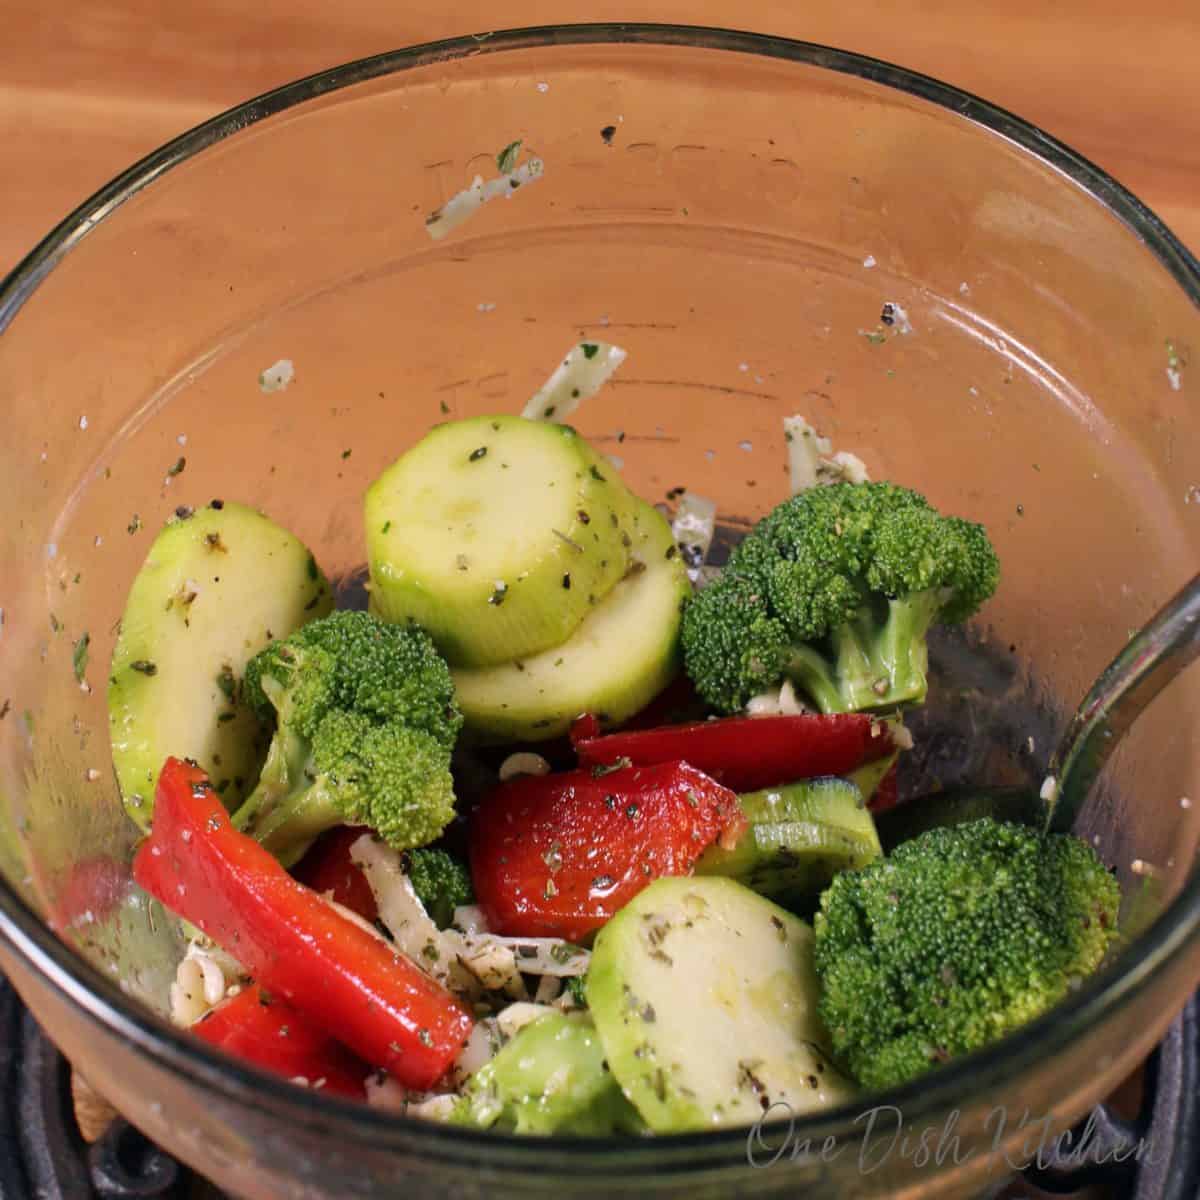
{"x": 735, "y": 210}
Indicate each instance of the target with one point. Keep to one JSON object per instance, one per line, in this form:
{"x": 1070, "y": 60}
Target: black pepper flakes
{"x": 608, "y": 133}
{"x": 477, "y": 454}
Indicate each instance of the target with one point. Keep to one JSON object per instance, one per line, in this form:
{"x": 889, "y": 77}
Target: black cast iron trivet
{"x": 43, "y": 1154}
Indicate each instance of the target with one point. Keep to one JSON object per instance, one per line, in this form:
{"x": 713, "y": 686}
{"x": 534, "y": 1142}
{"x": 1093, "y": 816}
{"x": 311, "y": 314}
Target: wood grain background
{"x": 85, "y": 89}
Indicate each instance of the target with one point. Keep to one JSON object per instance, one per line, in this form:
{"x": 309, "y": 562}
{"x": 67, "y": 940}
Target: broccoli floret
{"x": 365, "y": 720}
{"x": 441, "y": 881}
{"x": 837, "y": 589}
{"x": 958, "y": 937}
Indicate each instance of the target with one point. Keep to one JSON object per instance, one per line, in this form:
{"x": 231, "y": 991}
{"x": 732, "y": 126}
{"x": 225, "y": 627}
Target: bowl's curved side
{"x": 726, "y": 242}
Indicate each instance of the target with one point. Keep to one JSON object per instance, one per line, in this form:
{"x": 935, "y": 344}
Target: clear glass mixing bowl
{"x": 738, "y": 228}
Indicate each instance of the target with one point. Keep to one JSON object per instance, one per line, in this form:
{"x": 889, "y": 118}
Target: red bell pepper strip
{"x": 750, "y": 753}
{"x": 268, "y": 1032}
{"x": 887, "y": 794}
{"x": 340, "y": 975}
{"x": 329, "y": 870}
{"x": 558, "y": 855}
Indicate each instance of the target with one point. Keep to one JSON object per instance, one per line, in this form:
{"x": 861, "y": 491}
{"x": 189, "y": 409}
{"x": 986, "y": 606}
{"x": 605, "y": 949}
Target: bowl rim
{"x": 87, "y": 990}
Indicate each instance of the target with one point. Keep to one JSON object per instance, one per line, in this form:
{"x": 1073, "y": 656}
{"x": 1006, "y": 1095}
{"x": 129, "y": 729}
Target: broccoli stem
{"x": 812, "y": 673}
{"x": 284, "y": 764}
{"x": 288, "y": 829}
{"x": 876, "y": 660}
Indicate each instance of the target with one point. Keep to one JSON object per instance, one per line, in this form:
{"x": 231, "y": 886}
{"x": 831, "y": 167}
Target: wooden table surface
{"x": 87, "y": 89}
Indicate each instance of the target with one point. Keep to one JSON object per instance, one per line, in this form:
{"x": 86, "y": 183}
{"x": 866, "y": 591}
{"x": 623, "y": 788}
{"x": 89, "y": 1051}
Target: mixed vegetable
{"x": 570, "y": 831}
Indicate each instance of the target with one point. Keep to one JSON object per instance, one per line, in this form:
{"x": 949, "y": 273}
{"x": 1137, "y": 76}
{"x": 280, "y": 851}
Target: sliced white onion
{"x": 472, "y": 198}
{"x": 435, "y": 1108}
{"x": 187, "y": 994}
{"x": 548, "y": 989}
{"x": 845, "y": 466}
{"x": 812, "y": 461}
{"x": 693, "y": 528}
{"x": 515, "y": 1017}
{"x": 541, "y": 956}
{"x": 584, "y": 370}
{"x": 494, "y": 965}
{"x": 806, "y": 448}
{"x": 524, "y": 762}
{"x": 777, "y": 701}
{"x": 204, "y": 977}
{"x": 482, "y": 1045}
{"x": 277, "y": 376}
{"x": 385, "y": 1093}
{"x": 469, "y": 918}
{"x": 401, "y": 911}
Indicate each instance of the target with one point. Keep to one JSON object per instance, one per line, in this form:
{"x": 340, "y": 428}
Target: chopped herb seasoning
{"x": 584, "y": 519}
{"x": 386, "y": 526}
{"x": 648, "y": 1014}
{"x": 176, "y": 468}
{"x": 602, "y": 881}
{"x": 590, "y": 349}
{"x": 608, "y": 133}
{"x": 476, "y": 455}
{"x": 80, "y": 657}
{"x": 498, "y": 594}
{"x": 183, "y": 512}
{"x": 54, "y": 624}
{"x": 551, "y": 889}
{"x": 225, "y": 717}
{"x": 143, "y": 666}
{"x": 780, "y": 928}
{"x": 672, "y": 551}
{"x": 506, "y": 160}
{"x": 444, "y": 407}
{"x": 595, "y": 473}
{"x": 313, "y": 573}
{"x": 888, "y": 314}
{"x": 563, "y": 952}
{"x": 346, "y": 454}
{"x": 602, "y": 769}
{"x": 5, "y": 709}
{"x": 875, "y": 336}
{"x": 227, "y": 682}
{"x": 214, "y": 543}
{"x": 135, "y": 523}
